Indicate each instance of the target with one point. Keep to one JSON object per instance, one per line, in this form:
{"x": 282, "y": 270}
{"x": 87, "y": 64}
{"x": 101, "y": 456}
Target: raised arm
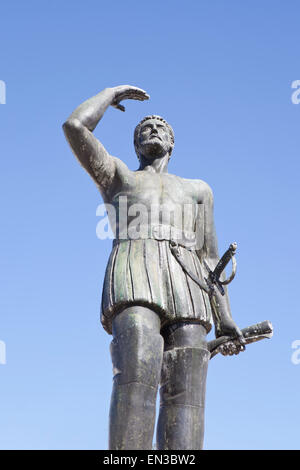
{"x": 79, "y": 127}
{"x": 224, "y": 323}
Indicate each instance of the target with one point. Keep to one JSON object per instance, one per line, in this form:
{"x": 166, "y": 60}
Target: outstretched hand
{"x": 127, "y": 92}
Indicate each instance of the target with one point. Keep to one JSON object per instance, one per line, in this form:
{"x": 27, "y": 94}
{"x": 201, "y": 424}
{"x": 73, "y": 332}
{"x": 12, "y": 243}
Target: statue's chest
{"x": 156, "y": 189}
{"x": 159, "y": 188}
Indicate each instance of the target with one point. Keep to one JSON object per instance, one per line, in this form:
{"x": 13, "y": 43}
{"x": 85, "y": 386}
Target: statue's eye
{"x": 146, "y": 128}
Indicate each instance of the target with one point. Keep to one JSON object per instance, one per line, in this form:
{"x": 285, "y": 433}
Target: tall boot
{"x": 182, "y": 392}
{"x": 137, "y": 351}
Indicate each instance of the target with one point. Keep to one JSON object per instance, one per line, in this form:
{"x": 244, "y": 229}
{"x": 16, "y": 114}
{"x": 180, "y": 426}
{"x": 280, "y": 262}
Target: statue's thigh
{"x": 185, "y": 362}
{"x": 137, "y": 347}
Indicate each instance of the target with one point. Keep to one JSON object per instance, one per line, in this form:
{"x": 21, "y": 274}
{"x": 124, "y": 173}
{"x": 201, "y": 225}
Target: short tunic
{"x": 145, "y": 272}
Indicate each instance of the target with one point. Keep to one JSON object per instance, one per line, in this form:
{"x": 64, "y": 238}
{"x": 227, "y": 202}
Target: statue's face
{"x": 154, "y": 139}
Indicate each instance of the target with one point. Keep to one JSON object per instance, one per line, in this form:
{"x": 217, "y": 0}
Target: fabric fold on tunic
{"x": 145, "y": 272}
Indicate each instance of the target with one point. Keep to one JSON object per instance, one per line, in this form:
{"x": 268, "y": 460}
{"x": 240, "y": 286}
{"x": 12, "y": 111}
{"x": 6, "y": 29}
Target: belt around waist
{"x": 185, "y": 238}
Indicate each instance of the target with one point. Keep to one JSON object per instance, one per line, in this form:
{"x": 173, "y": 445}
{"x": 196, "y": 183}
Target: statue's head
{"x": 153, "y": 137}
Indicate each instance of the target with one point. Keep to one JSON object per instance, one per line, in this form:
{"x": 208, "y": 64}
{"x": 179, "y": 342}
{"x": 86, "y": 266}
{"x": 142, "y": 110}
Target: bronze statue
{"x": 164, "y": 282}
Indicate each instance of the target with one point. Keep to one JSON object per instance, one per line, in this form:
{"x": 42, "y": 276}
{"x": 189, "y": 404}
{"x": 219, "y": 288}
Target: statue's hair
{"x": 147, "y": 118}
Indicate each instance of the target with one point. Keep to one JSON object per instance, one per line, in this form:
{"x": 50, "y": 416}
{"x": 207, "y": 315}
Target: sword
{"x": 213, "y": 278}
{"x": 252, "y": 333}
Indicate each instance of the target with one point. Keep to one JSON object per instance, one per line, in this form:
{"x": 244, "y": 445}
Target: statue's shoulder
{"x": 204, "y": 187}
{"x": 205, "y": 192}
{"x": 200, "y": 187}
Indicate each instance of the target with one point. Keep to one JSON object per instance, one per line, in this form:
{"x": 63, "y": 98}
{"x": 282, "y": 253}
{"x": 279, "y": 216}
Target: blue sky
{"x": 220, "y": 72}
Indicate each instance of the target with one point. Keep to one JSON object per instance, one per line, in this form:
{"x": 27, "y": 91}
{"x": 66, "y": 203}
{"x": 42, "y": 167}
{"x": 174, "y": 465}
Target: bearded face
{"x": 154, "y": 139}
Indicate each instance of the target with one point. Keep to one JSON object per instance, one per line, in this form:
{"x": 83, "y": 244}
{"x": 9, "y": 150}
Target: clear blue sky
{"x": 220, "y": 72}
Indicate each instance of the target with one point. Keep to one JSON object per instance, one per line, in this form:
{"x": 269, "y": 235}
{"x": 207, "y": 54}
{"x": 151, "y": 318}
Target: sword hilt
{"x": 214, "y": 276}
{"x": 225, "y": 260}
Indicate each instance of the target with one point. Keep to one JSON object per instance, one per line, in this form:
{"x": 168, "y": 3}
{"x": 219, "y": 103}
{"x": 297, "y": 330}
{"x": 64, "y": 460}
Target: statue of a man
{"x": 155, "y": 299}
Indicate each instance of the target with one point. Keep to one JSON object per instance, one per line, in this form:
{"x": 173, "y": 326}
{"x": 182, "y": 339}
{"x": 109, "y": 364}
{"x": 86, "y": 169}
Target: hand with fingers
{"x": 231, "y": 347}
{"x": 127, "y": 92}
{"x": 236, "y": 341}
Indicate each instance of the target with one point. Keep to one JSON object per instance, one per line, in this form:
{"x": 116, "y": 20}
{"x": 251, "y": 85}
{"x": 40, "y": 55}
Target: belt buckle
{"x": 189, "y": 239}
{"x": 158, "y": 232}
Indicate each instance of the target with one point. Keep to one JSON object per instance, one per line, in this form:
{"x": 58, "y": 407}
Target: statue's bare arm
{"x": 79, "y": 127}
{"x": 224, "y": 323}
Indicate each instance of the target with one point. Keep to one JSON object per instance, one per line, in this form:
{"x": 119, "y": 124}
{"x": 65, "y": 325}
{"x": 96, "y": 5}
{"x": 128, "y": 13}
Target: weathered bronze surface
{"x": 164, "y": 284}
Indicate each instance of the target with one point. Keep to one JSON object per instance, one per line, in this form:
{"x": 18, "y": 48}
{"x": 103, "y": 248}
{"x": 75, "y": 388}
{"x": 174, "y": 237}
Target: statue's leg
{"x": 137, "y": 352}
{"x": 182, "y": 392}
